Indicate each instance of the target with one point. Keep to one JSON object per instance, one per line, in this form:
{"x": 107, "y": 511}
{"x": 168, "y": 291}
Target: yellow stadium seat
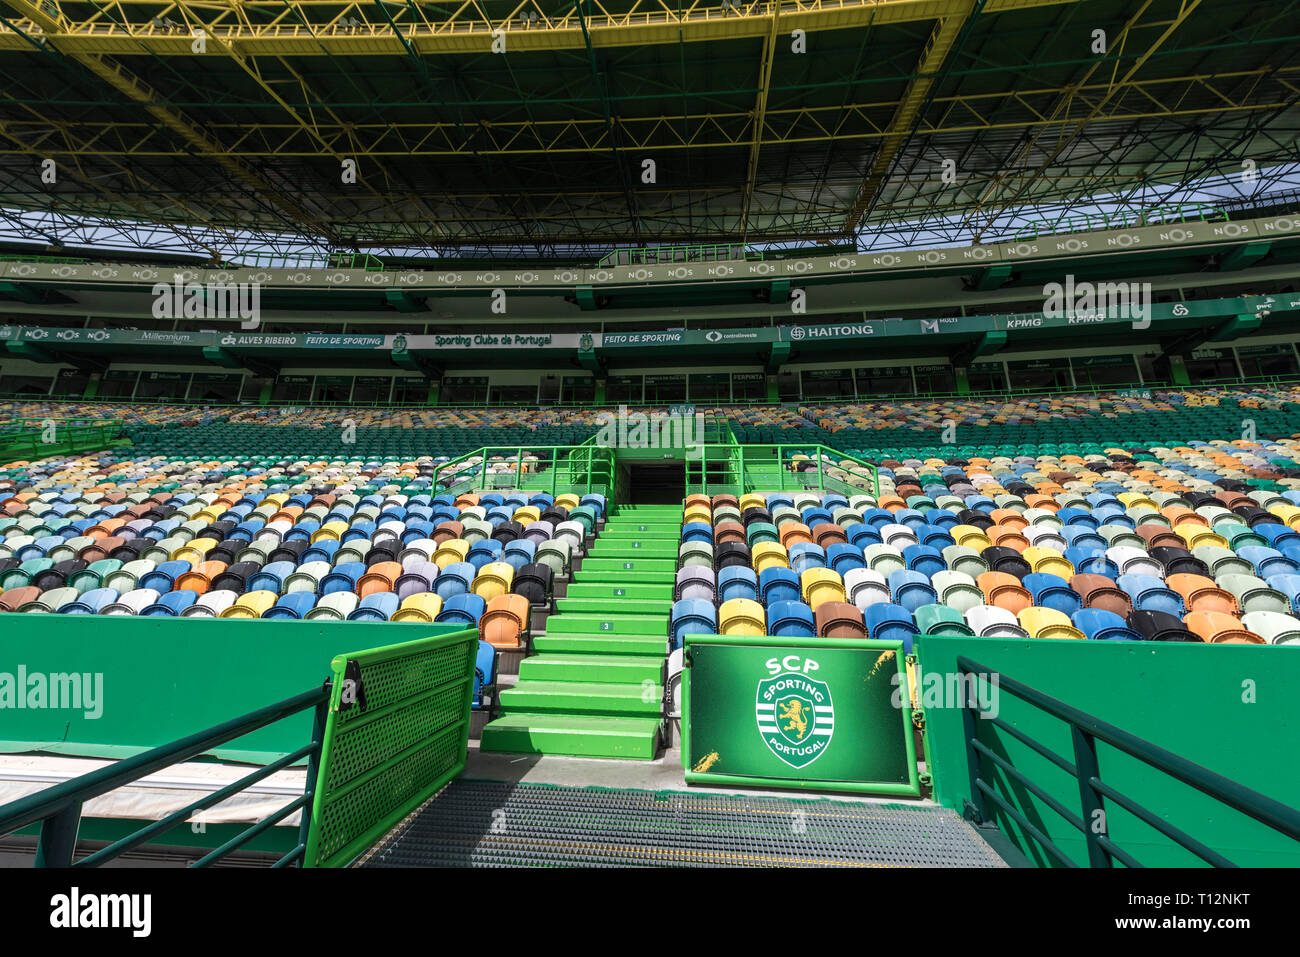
{"x": 769, "y": 555}
{"x": 821, "y": 585}
{"x": 424, "y": 608}
{"x": 452, "y": 550}
{"x": 1047, "y": 623}
{"x": 494, "y": 579}
{"x": 741, "y": 616}
{"x": 1048, "y": 561}
{"x": 251, "y": 605}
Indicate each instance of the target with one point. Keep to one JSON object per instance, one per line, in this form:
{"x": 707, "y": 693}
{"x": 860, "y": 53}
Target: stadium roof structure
{"x": 224, "y": 127}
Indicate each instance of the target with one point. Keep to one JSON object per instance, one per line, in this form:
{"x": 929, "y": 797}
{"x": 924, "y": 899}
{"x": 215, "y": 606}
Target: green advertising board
{"x": 828, "y": 714}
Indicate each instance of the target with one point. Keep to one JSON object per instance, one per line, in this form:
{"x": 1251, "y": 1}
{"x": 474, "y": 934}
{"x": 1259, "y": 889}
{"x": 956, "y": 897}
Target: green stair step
{"x": 634, "y": 548}
{"x": 642, "y": 530}
{"x": 629, "y": 590}
{"x": 582, "y": 697}
{"x": 596, "y": 737}
{"x": 557, "y": 642}
{"x": 626, "y": 577}
{"x": 587, "y": 624}
{"x": 603, "y": 566}
{"x": 611, "y": 606}
{"x": 598, "y": 669}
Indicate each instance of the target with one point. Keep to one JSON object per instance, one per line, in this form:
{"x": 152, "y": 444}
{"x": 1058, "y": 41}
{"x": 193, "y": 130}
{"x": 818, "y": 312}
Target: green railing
{"x": 38, "y": 258}
{"x": 396, "y": 733}
{"x": 1268, "y": 381}
{"x": 670, "y": 255}
{"x": 556, "y": 469}
{"x": 736, "y": 469}
{"x": 1120, "y": 219}
{"x": 37, "y": 438}
{"x": 335, "y": 260}
{"x": 1085, "y": 731}
{"x": 58, "y": 809}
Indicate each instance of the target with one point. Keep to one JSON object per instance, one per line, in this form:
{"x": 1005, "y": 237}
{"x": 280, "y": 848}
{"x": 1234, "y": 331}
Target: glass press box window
{"x": 1104, "y": 370}
{"x": 986, "y": 377}
{"x": 827, "y": 383}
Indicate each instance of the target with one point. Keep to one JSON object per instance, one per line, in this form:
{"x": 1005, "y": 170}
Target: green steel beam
{"x": 1240, "y": 257}
{"x": 992, "y": 278}
{"x": 987, "y": 344}
{"x": 403, "y": 301}
{"x": 220, "y": 357}
{"x": 1235, "y": 328}
{"x": 25, "y": 350}
{"x": 778, "y": 356}
{"x": 20, "y": 292}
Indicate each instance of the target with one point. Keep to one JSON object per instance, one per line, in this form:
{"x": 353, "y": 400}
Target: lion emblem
{"x": 793, "y": 711}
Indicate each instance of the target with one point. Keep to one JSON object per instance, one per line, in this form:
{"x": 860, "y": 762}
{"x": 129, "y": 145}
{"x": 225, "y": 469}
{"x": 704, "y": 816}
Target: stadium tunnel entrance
{"x": 655, "y": 483}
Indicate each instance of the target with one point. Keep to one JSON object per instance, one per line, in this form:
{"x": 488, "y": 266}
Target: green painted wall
{"x": 1193, "y": 700}
{"x": 165, "y": 678}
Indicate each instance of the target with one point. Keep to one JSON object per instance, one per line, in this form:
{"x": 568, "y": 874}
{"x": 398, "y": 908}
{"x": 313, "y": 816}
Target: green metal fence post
{"x": 1094, "y": 813}
{"x": 976, "y": 807}
{"x": 319, "y": 721}
{"x": 58, "y": 838}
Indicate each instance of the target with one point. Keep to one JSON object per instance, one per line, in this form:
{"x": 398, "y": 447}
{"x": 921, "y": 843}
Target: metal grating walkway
{"x": 498, "y": 824}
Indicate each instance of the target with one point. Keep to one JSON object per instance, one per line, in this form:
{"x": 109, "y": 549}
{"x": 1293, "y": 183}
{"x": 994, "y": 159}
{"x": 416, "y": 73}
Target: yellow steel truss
{"x": 344, "y": 28}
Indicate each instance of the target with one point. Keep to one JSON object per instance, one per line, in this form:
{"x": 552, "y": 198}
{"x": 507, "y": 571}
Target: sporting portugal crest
{"x": 795, "y": 717}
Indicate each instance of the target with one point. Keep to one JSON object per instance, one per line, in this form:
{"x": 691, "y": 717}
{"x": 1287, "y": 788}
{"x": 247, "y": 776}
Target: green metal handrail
{"x": 742, "y": 473}
{"x": 1086, "y": 730}
{"x": 58, "y": 809}
{"x": 588, "y": 466}
{"x": 669, "y": 255}
{"x": 1089, "y": 389}
{"x": 27, "y": 437}
{"x": 332, "y": 260}
{"x": 1119, "y": 219}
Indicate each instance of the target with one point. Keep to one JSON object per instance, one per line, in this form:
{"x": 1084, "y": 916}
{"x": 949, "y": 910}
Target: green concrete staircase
{"x": 594, "y": 688}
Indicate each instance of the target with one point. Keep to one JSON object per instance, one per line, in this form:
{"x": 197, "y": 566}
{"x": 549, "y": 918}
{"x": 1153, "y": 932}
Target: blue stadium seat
{"x": 790, "y": 619}
{"x": 1103, "y": 625}
{"x": 1052, "y": 591}
{"x": 911, "y": 590}
{"x": 887, "y": 621}
{"x": 737, "y": 581}
{"x": 463, "y": 609}
{"x": 691, "y": 616}
{"x": 778, "y": 584}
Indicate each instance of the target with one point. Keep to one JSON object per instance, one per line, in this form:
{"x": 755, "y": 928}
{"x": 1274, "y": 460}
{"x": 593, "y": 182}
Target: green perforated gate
{"x": 398, "y": 730}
